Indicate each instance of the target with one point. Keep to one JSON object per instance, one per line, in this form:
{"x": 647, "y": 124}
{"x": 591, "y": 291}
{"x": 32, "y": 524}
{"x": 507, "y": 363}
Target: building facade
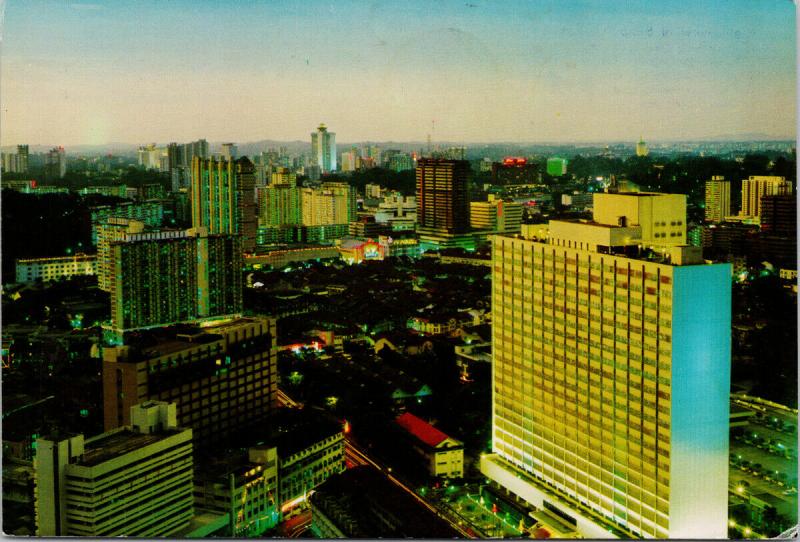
{"x": 756, "y": 186}
{"x": 33, "y": 269}
{"x": 167, "y": 277}
{"x": 107, "y": 232}
{"x": 611, "y": 375}
{"x": 442, "y": 196}
{"x": 223, "y": 377}
{"x": 279, "y": 205}
{"x": 323, "y": 149}
{"x": 246, "y": 207}
{"x": 718, "y": 199}
{"x": 214, "y": 195}
{"x": 495, "y": 215}
{"x": 333, "y": 203}
{"x": 132, "y": 481}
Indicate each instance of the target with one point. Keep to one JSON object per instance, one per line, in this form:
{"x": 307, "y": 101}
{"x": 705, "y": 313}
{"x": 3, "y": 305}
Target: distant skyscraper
{"x": 195, "y": 149}
{"x": 136, "y": 481}
{"x": 323, "y": 149}
{"x": 150, "y": 156}
{"x": 22, "y": 158}
{"x": 718, "y": 199}
{"x": 442, "y": 195}
{"x": 229, "y": 151}
{"x": 214, "y": 195}
{"x": 757, "y": 186}
{"x": 641, "y": 148}
{"x": 611, "y": 373}
{"x": 246, "y": 201}
{"x": 55, "y": 163}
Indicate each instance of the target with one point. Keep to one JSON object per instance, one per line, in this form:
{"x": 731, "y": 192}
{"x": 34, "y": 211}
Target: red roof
{"x": 421, "y": 429}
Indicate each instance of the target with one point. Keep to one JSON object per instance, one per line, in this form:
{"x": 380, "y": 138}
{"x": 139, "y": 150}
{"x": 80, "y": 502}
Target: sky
{"x": 468, "y": 71}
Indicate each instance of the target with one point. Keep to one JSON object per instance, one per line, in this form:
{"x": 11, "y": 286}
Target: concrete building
{"x": 222, "y": 377}
{"x": 149, "y": 212}
{"x": 310, "y": 450}
{"x": 214, "y": 195}
{"x": 246, "y": 207}
{"x": 280, "y": 205}
{"x": 756, "y": 186}
{"x": 443, "y": 456}
{"x": 283, "y": 256}
{"x": 362, "y": 503}
{"x": 333, "y": 203}
{"x": 283, "y": 176}
{"x": 661, "y": 217}
{"x": 166, "y": 277}
{"x": 514, "y": 171}
{"x": 495, "y": 215}
{"x": 55, "y": 163}
{"x": 244, "y": 490}
{"x": 323, "y": 149}
{"x": 33, "y": 269}
{"x": 611, "y": 372}
{"x": 229, "y": 151}
{"x": 718, "y": 199}
{"x": 107, "y": 232}
{"x": 442, "y": 196}
{"x": 132, "y": 481}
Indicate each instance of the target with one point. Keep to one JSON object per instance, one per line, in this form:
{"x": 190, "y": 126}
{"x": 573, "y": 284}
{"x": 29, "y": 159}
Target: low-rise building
{"x": 283, "y": 256}
{"x": 133, "y": 481}
{"x": 243, "y": 489}
{"x": 362, "y": 503}
{"x": 443, "y": 455}
{"x": 32, "y": 269}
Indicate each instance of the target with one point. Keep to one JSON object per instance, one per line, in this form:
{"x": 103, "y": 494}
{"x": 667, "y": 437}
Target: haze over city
{"x": 399, "y": 270}
{"x": 136, "y": 72}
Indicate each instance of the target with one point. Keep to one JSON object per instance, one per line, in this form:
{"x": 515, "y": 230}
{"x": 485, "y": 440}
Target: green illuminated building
{"x": 279, "y": 205}
{"x": 173, "y": 276}
{"x": 214, "y": 195}
{"x": 556, "y": 167}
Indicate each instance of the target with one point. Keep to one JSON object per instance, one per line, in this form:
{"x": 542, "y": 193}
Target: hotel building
{"x": 611, "y": 372}
{"x": 222, "y": 377}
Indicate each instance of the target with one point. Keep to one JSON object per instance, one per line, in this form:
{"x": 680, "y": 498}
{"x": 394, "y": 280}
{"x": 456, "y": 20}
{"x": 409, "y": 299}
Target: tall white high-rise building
{"x": 611, "y": 373}
{"x": 323, "y": 149}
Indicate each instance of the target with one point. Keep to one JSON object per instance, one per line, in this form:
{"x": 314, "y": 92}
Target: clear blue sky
{"x": 136, "y": 72}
